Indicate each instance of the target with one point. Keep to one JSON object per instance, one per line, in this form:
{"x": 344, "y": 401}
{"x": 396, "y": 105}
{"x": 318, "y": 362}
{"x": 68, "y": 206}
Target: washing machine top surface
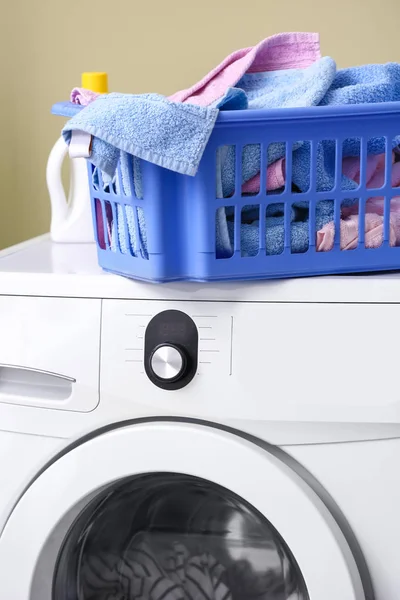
{"x": 39, "y": 267}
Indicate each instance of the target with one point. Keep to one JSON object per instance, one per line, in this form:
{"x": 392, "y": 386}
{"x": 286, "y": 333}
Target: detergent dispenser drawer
{"x": 49, "y": 352}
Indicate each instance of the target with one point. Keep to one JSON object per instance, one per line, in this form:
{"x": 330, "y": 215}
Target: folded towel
{"x": 147, "y": 126}
{"x": 135, "y": 242}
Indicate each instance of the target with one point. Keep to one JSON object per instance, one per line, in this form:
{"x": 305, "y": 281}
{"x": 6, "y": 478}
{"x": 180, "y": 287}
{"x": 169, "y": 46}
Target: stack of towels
{"x": 285, "y": 70}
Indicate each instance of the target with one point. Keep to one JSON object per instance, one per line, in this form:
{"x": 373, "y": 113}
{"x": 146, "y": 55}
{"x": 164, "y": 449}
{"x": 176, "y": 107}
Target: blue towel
{"x": 276, "y": 89}
{"x": 325, "y": 168}
{"x": 251, "y": 162}
{"x": 289, "y": 88}
{"x": 364, "y": 84}
{"x": 274, "y": 237}
{"x": 317, "y": 85}
{"x": 356, "y": 85}
{"x": 234, "y": 99}
{"x": 66, "y": 109}
{"x": 148, "y": 126}
{"x": 136, "y": 241}
{"x": 275, "y": 230}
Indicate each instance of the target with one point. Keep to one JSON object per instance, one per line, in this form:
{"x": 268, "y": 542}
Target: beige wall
{"x": 151, "y": 45}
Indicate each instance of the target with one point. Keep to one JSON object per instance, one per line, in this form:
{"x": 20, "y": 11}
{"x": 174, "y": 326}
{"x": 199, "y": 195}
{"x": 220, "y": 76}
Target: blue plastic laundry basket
{"x": 168, "y": 230}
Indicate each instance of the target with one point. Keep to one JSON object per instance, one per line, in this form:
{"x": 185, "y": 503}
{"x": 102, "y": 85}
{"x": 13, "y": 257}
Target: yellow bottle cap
{"x": 95, "y": 82}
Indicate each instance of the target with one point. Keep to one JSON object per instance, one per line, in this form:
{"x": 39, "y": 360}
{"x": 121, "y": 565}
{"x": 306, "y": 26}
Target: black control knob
{"x": 171, "y": 350}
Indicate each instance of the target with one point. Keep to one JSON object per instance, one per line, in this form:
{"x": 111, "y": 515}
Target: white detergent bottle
{"x": 71, "y": 219}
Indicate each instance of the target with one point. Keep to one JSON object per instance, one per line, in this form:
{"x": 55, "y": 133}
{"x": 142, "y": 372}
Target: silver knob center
{"x": 167, "y": 363}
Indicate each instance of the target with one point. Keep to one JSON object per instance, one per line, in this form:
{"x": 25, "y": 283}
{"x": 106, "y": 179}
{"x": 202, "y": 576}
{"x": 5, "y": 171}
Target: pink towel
{"x": 351, "y": 167}
{"x": 375, "y": 170}
{"x": 83, "y": 96}
{"x": 279, "y": 52}
{"x": 276, "y": 53}
{"x": 275, "y": 179}
{"x": 349, "y": 233}
{"x": 374, "y": 208}
{"x": 375, "y": 173}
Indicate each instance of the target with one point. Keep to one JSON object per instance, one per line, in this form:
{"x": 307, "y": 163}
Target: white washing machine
{"x": 200, "y": 442}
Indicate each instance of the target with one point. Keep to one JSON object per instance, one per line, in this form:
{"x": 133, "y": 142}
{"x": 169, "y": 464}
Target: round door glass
{"x": 166, "y": 536}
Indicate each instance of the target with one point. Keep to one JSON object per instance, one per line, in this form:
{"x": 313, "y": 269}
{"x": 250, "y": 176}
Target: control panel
{"x": 171, "y": 349}
{"x": 254, "y": 366}
{"x": 165, "y": 345}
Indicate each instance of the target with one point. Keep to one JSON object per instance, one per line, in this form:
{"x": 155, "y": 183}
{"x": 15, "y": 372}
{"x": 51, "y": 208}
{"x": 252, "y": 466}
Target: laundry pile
{"x": 283, "y": 71}
{"x": 139, "y": 573}
{"x": 325, "y": 230}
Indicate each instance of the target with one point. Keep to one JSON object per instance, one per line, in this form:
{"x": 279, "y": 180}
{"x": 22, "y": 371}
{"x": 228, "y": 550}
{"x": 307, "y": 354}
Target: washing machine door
{"x": 173, "y": 511}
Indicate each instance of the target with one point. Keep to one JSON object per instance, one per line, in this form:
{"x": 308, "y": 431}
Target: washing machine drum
{"x": 174, "y": 511}
{"x": 170, "y": 536}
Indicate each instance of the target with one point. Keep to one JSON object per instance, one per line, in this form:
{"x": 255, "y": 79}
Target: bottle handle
{"x": 58, "y": 199}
